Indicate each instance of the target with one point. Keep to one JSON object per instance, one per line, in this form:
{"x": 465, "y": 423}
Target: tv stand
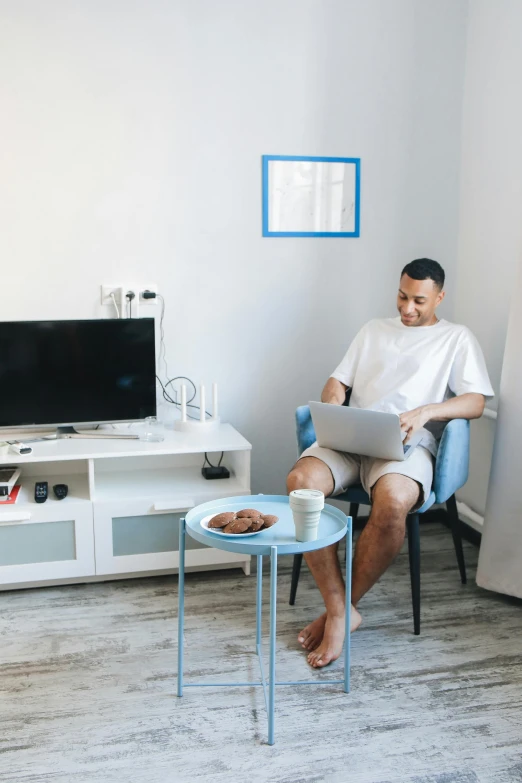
{"x": 71, "y": 432}
{"x": 121, "y": 516}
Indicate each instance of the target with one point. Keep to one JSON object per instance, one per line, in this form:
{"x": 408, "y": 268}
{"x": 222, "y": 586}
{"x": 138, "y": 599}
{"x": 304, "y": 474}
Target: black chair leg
{"x": 453, "y": 516}
{"x": 296, "y": 570}
{"x": 414, "y": 555}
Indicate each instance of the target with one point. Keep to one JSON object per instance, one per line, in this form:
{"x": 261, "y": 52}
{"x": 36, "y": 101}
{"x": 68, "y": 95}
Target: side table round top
{"x": 332, "y": 526}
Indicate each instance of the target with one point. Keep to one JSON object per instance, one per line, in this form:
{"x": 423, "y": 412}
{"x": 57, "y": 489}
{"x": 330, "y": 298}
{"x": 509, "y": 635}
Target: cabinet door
{"x": 133, "y": 536}
{"x": 42, "y": 544}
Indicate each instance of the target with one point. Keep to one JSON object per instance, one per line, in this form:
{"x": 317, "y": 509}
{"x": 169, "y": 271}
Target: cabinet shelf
{"x": 183, "y": 483}
{"x": 78, "y": 493}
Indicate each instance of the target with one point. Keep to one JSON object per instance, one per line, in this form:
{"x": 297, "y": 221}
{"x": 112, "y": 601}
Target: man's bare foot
{"x": 331, "y": 645}
{"x": 312, "y": 636}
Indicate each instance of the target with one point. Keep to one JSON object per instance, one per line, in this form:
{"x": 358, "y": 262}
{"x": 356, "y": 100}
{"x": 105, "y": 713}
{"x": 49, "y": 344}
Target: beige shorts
{"x": 350, "y": 469}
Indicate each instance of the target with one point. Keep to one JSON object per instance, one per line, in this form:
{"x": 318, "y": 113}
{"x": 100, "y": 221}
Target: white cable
{"x": 115, "y": 304}
{"x": 162, "y": 349}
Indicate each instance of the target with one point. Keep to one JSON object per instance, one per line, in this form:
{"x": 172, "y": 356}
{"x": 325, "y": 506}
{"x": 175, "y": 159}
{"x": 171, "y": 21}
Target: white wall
{"x": 132, "y": 135}
{"x": 490, "y": 240}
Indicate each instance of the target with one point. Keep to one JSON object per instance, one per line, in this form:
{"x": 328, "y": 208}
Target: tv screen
{"x": 67, "y": 372}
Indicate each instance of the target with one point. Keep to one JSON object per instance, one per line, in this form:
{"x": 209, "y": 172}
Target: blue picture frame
{"x": 356, "y": 162}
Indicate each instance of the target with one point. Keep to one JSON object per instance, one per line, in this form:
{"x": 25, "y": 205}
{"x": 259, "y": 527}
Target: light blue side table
{"x": 277, "y": 540}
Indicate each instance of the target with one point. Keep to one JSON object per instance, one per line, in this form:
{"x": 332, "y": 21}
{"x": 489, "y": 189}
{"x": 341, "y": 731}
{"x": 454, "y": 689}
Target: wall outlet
{"x": 120, "y": 289}
{"x": 107, "y": 290}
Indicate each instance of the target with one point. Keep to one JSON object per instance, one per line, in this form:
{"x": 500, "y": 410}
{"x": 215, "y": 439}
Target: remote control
{"x": 20, "y": 448}
{"x": 40, "y": 491}
{"x": 60, "y": 491}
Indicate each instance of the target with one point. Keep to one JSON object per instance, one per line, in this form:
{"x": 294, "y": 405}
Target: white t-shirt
{"x": 395, "y": 368}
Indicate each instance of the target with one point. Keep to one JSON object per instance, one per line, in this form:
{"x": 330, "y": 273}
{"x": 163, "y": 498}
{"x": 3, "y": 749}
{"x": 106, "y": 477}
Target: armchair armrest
{"x": 452, "y": 463}
{"x": 304, "y": 428}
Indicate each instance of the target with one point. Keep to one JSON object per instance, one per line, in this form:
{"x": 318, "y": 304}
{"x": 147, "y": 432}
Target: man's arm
{"x": 465, "y": 406}
{"x": 334, "y": 392}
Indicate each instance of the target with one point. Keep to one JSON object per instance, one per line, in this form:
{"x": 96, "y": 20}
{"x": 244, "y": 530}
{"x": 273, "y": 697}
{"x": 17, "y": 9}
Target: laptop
{"x": 360, "y": 431}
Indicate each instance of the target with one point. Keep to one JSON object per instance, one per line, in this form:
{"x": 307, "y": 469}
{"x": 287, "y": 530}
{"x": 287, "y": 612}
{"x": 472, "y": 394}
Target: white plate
{"x": 204, "y": 524}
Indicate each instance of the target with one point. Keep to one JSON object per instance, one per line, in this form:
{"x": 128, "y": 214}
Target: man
{"x": 428, "y": 371}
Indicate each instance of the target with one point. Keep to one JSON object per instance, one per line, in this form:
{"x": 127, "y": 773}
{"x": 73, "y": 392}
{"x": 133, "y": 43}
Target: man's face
{"x": 417, "y": 301}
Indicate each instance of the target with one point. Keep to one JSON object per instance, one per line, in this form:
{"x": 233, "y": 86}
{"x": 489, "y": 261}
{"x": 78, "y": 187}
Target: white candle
{"x": 214, "y": 401}
{"x": 183, "y": 403}
{"x": 202, "y": 403}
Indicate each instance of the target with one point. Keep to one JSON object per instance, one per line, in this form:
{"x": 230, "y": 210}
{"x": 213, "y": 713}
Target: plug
{"x": 130, "y": 295}
{"x": 148, "y": 295}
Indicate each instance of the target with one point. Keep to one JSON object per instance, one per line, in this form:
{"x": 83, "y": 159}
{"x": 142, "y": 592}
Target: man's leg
{"x": 313, "y": 473}
{"x": 381, "y": 540}
{"x": 393, "y": 496}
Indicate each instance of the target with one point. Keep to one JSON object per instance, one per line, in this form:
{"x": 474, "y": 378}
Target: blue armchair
{"x": 451, "y": 473}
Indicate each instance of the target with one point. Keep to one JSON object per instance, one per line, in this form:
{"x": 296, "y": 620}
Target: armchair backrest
{"x": 452, "y": 463}
{"x": 304, "y": 428}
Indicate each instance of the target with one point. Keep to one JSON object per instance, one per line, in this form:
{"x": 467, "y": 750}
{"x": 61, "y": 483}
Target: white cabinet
{"x": 122, "y": 512}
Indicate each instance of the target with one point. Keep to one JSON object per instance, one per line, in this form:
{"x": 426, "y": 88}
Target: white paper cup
{"x": 306, "y": 505}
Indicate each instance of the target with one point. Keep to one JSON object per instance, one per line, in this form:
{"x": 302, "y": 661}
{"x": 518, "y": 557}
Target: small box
{"x": 215, "y": 472}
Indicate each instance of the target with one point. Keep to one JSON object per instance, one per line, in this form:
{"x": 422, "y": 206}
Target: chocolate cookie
{"x": 249, "y": 522}
{"x": 220, "y": 520}
{"x": 269, "y": 520}
{"x": 248, "y": 512}
{"x": 236, "y": 526}
{"x": 256, "y": 525}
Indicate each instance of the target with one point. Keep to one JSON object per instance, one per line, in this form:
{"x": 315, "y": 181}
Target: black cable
{"x": 162, "y": 353}
{"x": 209, "y": 462}
{"x": 184, "y": 378}
{"x": 168, "y": 398}
{"x": 130, "y": 296}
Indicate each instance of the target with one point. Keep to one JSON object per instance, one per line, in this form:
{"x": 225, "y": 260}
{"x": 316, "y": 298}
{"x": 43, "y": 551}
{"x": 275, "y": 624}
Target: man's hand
{"x": 465, "y": 406}
{"x": 414, "y": 420}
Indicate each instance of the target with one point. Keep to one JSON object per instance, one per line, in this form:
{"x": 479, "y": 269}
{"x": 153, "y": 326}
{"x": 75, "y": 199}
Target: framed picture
{"x": 311, "y": 197}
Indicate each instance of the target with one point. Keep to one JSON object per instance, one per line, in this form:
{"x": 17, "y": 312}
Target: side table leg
{"x": 259, "y": 601}
{"x": 348, "y": 607}
{"x": 181, "y": 603}
{"x": 271, "y": 684}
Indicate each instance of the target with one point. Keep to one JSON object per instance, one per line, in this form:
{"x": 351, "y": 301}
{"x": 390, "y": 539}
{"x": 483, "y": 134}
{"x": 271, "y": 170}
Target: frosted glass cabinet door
{"x": 131, "y": 537}
{"x": 49, "y": 543}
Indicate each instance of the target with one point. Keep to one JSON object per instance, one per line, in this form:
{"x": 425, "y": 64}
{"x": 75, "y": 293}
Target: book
{"x": 5, "y": 500}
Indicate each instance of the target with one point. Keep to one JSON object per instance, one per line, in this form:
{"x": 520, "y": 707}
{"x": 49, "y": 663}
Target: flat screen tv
{"x": 76, "y": 372}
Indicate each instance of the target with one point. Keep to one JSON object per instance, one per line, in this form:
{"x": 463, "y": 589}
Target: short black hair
{"x": 425, "y": 269}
